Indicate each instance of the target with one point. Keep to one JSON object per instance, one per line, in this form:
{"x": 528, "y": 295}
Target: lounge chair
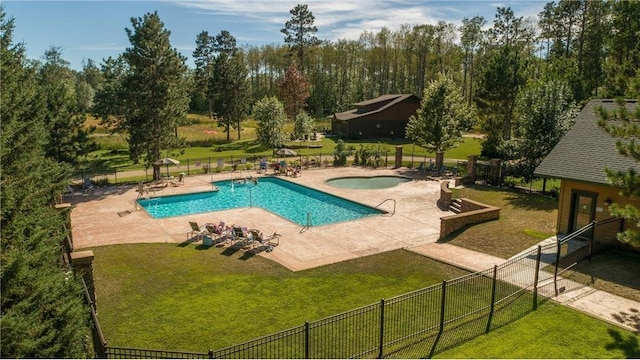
{"x": 179, "y": 181}
{"x": 87, "y": 186}
{"x": 429, "y": 169}
{"x": 196, "y": 231}
{"x": 241, "y": 237}
{"x": 441, "y": 171}
{"x": 261, "y": 242}
{"x": 421, "y": 168}
{"x": 217, "y": 233}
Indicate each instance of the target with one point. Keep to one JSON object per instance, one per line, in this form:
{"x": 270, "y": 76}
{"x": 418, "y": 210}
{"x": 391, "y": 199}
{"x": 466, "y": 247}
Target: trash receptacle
{"x": 207, "y": 241}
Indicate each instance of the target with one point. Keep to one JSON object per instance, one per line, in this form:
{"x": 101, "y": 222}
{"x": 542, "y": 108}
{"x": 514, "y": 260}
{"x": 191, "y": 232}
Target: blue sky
{"x": 95, "y": 29}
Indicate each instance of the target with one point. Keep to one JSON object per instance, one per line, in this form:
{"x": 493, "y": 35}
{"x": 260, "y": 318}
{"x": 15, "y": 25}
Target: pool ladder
{"x": 394, "y": 205}
{"x": 308, "y": 225}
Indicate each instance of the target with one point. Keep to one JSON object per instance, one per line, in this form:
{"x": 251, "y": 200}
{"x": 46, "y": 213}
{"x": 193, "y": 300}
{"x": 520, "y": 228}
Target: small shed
{"x": 383, "y": 117}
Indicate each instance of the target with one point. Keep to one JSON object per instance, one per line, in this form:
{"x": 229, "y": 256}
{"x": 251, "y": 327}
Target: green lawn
{"x": 172, "y": 297}
{"x": 551, "y": 332}
{"x": 185, "y": 297}
{"x": 207, "y": 142}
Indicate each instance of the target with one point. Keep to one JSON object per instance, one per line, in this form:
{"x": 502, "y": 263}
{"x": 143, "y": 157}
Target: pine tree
{"x": 148, "y": 97}
{"x": 68, "y": 139}
{"x": 300, "y": 33}
{"x": 228, "y": 84}
{"x": 42, "y": 310}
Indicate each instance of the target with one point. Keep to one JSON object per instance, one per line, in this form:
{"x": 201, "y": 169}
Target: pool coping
{"x": 95, "y": 219}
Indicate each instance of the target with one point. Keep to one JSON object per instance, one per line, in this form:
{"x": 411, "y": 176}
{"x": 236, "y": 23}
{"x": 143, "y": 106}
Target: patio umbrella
{"x": 167, "y": 162}
{"x": 286, "y": 152}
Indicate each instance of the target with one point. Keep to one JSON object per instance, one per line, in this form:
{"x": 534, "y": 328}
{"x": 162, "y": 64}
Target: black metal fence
{"x": 418, "y": 324}
{"x": 217, "y": 164}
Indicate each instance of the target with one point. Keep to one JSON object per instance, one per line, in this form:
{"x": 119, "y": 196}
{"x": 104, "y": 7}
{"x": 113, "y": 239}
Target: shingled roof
{"x": 586, "y": 150}
{"x": 385, "y": 101}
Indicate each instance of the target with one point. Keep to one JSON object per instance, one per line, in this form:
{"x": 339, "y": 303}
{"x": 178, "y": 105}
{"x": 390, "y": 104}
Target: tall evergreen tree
{"x": 470, "y": 39}
{"x": 65, "y": 116}
{"x": 153, "y": 98}
{"x": 300, "y": 33}
{"x": 42, "y": 311}
{"x": 228, "y": 85}
{"x": 203, "y": 57}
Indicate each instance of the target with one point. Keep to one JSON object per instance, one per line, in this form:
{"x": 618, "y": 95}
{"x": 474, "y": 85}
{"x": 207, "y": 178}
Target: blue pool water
{"x": 289, "y": 200}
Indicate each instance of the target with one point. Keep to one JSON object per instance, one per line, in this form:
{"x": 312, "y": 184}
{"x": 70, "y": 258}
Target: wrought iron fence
{"x": 417, "y": 324}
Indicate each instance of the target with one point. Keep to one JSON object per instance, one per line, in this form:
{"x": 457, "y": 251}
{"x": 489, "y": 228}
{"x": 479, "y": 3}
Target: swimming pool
{"x": 289, "y": 200}
{"x": 366, "y": 182}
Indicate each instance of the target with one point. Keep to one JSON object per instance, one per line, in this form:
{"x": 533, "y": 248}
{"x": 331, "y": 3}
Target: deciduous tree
{"x": 544, "y": 113}
{"x": 294, "y": 91}
{"x": 269, "y": 113}
{"x": 302, "y": 125}
{"x": 441, "y": 118}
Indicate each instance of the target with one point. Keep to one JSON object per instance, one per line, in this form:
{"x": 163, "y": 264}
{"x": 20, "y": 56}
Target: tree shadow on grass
{"x": 535, "y": 202}
{"x": 519, "y": 199}
{"x": 629, "y": 344}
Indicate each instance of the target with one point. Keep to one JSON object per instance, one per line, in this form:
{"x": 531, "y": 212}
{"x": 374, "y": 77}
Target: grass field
{"x": 206, "y": 141}
{"x": 551, "y": 332}
{"x": 167, "y": 296}
{"x": 184, "y": 297}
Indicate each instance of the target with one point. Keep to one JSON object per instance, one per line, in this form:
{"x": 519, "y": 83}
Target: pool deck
{"x": 109, "y": 216}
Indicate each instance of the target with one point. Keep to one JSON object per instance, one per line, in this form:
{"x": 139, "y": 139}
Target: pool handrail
{"x": 394, "y": 205}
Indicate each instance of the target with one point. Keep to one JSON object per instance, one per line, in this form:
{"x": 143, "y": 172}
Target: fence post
{"x": 555, "y": 272}
{"x": 443, "y": 300}
{"x": 306, "y": 340}
{"x": 115, "y": 176}
{"x": 493, "y": 298}
{"x": 188, "y": 168}
{"x": 535, "y": 278}
{"x": 593, "y": 234}
{"x": 381, "y": 351}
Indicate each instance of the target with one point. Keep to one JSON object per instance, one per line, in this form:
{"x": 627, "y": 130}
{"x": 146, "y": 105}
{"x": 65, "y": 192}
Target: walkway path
{"x": 597, "y": 303}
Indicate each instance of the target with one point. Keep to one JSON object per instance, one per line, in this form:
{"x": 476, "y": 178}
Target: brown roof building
{"x": 383, "y": 117}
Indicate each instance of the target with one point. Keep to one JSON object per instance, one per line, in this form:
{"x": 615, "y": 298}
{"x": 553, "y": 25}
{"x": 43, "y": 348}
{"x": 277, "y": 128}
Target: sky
{"x": 96, "y": 29}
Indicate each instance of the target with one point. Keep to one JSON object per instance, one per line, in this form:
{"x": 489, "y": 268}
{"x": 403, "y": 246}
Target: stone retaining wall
{"x": 445, "y": 195}
{"x": 472, "y": 213}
